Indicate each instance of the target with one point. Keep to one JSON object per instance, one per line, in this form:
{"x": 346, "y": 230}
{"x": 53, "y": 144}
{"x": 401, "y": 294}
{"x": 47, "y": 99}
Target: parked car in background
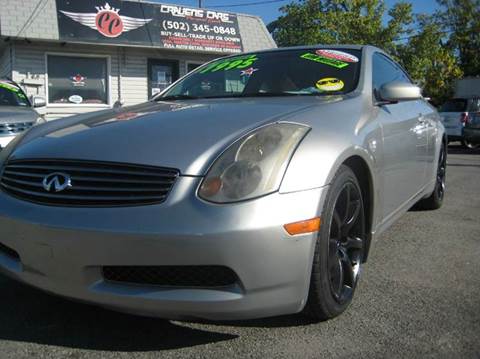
{"x": 455, "y": 113}
{"x": 472, "y": 130}
{"x": 251, "y": 187}
{"x": 17, "y": 113}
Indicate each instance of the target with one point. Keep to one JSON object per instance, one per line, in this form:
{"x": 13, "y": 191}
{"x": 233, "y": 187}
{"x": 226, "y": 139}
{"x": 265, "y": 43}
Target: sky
{"x": 270, "y": 11}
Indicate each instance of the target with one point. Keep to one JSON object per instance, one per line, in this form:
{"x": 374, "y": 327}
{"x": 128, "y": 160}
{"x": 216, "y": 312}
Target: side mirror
{"x": 38, "y": 101}
{"x": 397, "y": 91}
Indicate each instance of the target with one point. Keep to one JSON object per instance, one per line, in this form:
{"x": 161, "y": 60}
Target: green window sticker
{"x": 324, "y": 60}
{"x": 230, "y": 64}
{"x": 9, "y": 87}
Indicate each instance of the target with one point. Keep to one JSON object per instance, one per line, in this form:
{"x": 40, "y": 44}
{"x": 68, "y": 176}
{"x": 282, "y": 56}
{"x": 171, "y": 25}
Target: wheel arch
{"x": 301, "y": 175}
{"x": 362, "y": 171}
{"x": 362, "y": 162}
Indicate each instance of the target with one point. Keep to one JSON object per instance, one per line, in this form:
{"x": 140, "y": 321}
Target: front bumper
{"x": 472, "y": 135}
{"x": 62, "y": 250}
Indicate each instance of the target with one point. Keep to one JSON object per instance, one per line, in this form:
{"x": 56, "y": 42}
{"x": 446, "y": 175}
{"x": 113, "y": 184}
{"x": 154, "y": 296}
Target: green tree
{"x": 461, "y": 18}
{"x": 342, "y": 21}
{"x": 431, "y": 64}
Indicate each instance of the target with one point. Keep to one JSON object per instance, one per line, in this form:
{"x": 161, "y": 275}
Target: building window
{"x": 77, "y": 80}
{"x": 192, "y": 66}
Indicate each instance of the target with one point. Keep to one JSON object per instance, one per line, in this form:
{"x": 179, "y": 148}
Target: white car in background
{"x": 17, "y": 113}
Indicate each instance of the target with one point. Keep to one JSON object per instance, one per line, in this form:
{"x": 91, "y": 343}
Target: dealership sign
{"x": 159, "y": 25}
{"x": 107, "y": 21}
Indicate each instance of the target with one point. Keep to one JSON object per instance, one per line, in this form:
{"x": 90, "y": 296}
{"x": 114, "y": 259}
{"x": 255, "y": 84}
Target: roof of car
{"x": 317, "y": 46}
{"x": 353, "y": 47}
{"x": 8, "y": 81}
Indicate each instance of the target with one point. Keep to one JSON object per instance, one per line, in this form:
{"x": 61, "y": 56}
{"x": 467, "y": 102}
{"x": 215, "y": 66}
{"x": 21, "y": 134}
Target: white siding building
{"x": 91, "y": 54}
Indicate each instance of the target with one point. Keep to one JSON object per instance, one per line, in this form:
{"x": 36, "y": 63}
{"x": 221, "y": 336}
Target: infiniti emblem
{"x": 56, "y": 182}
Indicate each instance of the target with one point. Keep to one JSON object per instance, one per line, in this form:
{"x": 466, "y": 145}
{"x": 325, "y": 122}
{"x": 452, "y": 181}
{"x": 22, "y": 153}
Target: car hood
{"x": 14, "y": 114}
{"x": 186, "y": 135}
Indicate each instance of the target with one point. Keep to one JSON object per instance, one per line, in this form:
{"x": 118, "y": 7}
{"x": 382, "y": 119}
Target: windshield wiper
{"x": 280, "y": 94}
{"x": 269, "y": 94}
{"x": 176, "y": 97}
{"x": 257, "y": 94}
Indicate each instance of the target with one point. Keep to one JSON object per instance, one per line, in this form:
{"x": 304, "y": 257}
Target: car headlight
{"x": 253, "y": 166}
{"x": 40, "y": 120}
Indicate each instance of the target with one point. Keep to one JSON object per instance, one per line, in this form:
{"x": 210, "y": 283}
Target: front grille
{"x": 92, "y": 183}
{"x": 172, "y": 276}
{"x": 7, "y": 129}
{"x": 9, "y": 252}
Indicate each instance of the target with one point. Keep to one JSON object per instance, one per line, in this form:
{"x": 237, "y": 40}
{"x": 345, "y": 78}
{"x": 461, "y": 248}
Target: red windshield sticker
{"x": 337, "y": 55}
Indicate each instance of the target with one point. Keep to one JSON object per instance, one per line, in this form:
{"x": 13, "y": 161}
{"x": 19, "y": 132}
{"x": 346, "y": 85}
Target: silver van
{"x": 455, "y": 113}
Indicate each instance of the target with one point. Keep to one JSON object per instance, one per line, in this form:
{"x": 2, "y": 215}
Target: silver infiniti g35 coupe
{"x": 252, "y": 187}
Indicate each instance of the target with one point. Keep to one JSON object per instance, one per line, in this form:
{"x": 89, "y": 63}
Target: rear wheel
{"x": 339, "y": 249}
{"x": 435, "y": 201}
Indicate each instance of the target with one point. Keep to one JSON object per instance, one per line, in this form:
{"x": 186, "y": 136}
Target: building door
{"x": 161, "y": 73}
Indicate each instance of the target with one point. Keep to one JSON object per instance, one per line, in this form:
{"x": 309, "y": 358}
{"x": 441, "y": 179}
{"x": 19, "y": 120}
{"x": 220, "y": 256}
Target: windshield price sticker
{"x": 230, "y": 64}
{"x": 324, "y": 60}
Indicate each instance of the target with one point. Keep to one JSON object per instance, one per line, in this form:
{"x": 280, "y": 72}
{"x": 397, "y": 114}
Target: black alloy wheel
{"x": 435, "y": 200}
{"x": 441, "y": 173}
{"x": 346, "y": 242}
{"x": 339, "y": 250}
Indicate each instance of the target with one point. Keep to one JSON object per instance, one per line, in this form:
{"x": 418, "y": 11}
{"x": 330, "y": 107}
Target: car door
{"x": 425, "y": 132}
{"x": 429, "y": 118}
{"x": 404, "y": 140}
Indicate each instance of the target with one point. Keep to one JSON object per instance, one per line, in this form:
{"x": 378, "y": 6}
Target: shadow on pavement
{"x": 462, "y": 165}
{"x": 285, "y": 321}
{"x": 460, "y": 150}
{"x": 29, "y": 315}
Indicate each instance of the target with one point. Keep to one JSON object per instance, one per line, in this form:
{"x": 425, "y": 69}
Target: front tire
{"x": 435, "y": 200}
{"x": 339, "y": 248}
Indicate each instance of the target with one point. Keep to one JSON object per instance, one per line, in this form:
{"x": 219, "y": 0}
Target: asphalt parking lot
{"x": 419, "y": 297}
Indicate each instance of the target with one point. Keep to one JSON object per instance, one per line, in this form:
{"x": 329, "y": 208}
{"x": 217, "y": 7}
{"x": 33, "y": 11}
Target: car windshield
{"x": 455, "y": 105}
{"x": 11, "y": 95}
{"x": 278, "y": 73}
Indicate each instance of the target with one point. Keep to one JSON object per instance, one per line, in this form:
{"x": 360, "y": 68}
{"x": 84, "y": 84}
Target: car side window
{"x": 385, "y": 71}
{"x": 474, "y": 105}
